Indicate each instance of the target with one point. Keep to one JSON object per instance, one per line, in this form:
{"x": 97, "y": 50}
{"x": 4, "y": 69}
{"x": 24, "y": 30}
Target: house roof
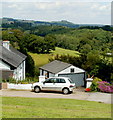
{"x": 17, "y": 52}
{"x": 55, "y": 66}
{"x": 12, "y": 56}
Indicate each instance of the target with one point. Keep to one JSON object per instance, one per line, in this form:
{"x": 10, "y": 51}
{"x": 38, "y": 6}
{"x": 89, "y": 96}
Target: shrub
{"x": 3, "y": 80}
{"x": 28, "y": 80}
{"x": 94, "y": 85}
{"x": 96, "y": 79}
{"x": 11, "y": 80}
{"x": 105, "y": 87}
{"x": 36, "y": 80}
{"x": 30, "y": 66}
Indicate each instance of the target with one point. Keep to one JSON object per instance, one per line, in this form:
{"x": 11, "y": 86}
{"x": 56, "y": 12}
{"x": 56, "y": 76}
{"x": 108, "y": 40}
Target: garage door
{"x": 78, "y": 78}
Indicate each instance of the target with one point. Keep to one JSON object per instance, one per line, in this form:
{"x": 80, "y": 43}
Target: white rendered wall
{"x": 24, "y": 70}
{"x": 4, "y": 66}
{"x": 19, "y": 72}
{"x": 20, "y": 86}
{"x": 68, "y": 70}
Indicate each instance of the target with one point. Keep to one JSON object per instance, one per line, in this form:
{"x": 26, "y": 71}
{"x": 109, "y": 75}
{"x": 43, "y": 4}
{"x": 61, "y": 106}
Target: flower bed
{"x": 104, "y": 86}
{"x": 101, "y": 86}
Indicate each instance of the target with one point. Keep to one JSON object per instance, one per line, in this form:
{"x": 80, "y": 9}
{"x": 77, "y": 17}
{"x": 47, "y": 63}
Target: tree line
{"x": 31, "y": 42}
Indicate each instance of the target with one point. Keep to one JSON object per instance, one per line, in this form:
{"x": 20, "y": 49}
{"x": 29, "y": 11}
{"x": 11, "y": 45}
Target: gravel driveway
{"x": 77, "y": 94}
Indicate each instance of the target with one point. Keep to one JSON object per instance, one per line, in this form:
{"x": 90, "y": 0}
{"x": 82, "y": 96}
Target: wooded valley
{"x": 94, "y": 44}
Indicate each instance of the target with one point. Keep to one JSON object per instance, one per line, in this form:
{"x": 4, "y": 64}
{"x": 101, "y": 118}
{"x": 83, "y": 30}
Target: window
{"x": 51, "y": 80}
{"x": 59, "y": 80}
{"x": 62, "y": 81}
{"x": 72, "y": 70}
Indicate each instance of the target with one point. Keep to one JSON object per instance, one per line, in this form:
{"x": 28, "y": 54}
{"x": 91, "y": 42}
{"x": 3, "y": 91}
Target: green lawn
{"x": 41, "y": 59}
{"x": 18, "y": 107}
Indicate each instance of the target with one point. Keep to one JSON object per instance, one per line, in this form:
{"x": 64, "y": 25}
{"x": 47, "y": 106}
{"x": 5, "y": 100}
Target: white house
{"x": 12, "y": 62}
{"x": 58, "y": 68}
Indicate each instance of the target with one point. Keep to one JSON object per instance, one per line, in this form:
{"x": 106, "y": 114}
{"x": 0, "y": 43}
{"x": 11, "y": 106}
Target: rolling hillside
{"x": 41, "y": 59}
{"x": 34, "y": 23}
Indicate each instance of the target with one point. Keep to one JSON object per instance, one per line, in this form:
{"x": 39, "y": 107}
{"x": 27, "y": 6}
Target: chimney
{"x": 6, "y": 44}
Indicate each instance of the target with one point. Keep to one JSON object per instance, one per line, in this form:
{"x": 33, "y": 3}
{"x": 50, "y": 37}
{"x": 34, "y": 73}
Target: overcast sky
{"x": 87, "y": 12}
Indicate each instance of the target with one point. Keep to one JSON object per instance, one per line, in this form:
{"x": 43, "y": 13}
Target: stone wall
{"x": 3, "y": 86}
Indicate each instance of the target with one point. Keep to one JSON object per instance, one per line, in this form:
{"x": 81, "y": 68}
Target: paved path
{"x": 78, "y": 94}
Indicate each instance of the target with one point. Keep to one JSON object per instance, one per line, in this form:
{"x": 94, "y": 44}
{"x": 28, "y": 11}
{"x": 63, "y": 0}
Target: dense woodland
{"x": 93, "y": 44}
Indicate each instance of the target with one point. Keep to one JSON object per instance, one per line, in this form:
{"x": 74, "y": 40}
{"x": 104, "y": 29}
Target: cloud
{"x": 50, "y": 5}
{"x": 77, "y": 12}
{"x": 101, "y": 6}
{"x": 56, "y": 0}
{"x": 13, "y": 6}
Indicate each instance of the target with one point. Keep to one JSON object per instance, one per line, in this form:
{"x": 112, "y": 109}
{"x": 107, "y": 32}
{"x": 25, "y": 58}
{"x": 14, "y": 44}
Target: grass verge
{"x": 20, "y": 107}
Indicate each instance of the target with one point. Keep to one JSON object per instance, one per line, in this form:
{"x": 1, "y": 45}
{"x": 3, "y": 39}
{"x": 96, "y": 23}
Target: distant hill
{"x": 37, "y": 23}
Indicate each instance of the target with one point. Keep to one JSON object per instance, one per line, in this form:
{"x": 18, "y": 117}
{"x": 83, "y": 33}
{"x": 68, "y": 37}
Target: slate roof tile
{"x": 12, "y": 56}
{"x": 55, "y": 66}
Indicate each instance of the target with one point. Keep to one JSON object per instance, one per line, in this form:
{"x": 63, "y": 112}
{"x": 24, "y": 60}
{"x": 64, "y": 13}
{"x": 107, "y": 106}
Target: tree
{"x": 49, "y": 42}
{"x": 30, "y": 65}
{"x": 36, "y": 44}
{"x": 85, "y": 49}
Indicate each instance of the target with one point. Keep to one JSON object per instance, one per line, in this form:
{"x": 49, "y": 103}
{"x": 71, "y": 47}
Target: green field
{"x": 19, "y": 107}
{"x": 41, "y": 59}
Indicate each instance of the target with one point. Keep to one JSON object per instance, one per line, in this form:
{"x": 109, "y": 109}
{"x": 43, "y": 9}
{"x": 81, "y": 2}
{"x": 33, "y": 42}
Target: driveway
{"x": 77, "y": 94}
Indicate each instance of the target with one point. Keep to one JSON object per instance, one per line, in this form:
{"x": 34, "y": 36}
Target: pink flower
{"x": 105, "y": 87}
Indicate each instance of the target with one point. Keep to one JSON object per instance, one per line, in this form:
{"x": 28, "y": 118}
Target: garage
{"x": 78, "y": 78}
{"x": 58, "y": 68}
